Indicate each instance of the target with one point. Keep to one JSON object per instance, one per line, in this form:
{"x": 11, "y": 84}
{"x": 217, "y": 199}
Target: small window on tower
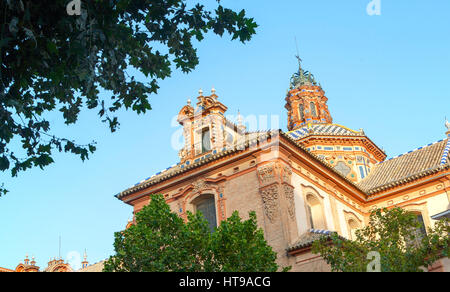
{"x": 313, "y": 109}
{"x": 301, "y": 110}
{"x": 206, "y": 140}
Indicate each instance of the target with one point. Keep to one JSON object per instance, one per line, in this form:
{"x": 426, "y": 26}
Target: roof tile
{"x": 404, "y": 166}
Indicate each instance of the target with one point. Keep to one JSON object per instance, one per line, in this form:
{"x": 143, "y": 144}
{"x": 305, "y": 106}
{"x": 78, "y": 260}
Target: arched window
{"x": 418, "y": 232}
{"x": 421, "y": 231}
{"x": 207, "y": 206}
{"x": 206, "y": 140}
{"x": 313, "y": 109}
{"x": 353, "y": 225}
{"x": 301, "y": 110}
{"x": 315, "y": 212}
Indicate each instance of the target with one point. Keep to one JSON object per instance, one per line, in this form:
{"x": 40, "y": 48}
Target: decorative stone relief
{"x": 289, "y": 195}
{"x": 182, "y": 154}
{"x": 270, "y": 200}
{"x": 222, "y": 209}
{"x": 266, "y": 173}
{"x": 199, "y": 185}
{"x": 287, "y": 173}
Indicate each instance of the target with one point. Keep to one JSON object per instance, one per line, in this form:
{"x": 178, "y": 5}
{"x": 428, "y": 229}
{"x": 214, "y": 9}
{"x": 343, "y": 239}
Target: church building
{"x": 316, "y": 177}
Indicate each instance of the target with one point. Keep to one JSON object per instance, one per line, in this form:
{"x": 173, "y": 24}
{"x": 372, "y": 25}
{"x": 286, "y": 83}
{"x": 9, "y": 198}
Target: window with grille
{"x": 207, "y": 206}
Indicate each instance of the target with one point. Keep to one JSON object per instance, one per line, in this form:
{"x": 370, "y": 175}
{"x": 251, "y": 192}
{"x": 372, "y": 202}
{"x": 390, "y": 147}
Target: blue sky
{"x": 387, "y": 74}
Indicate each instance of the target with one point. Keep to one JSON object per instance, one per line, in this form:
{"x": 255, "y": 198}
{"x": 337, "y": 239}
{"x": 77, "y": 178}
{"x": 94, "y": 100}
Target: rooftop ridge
{"x": 347, "y": 128}
{"x": 176, "y": 164}
{"x": 328, "y": 124}
{"x": 235, "y": 148}
{"x": 419, "y": 148}
{"x": 445, "y": 154}
{"x": 158, "y": 173}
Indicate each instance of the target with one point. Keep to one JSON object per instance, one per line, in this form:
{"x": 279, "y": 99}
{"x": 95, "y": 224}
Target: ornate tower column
{"x": 277, "y": 196}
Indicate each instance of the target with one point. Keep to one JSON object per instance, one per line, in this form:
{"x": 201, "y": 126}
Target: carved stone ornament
{"x": 287, "y": 173}
{"x": 270, "y": 200}
{"x": 182, "y": 154}
{"x": 199, "y": 185}
{"x": 289, "y": 195}
{"x": 266, "y": 173}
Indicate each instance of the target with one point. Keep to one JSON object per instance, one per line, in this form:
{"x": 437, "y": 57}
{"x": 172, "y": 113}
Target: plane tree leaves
{"x": 53, "y": 62}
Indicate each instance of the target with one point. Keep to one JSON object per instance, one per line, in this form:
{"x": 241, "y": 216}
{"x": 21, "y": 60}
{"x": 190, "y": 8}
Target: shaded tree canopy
{"x": 51, "y": 61}
{"x": 395, "y": 235}
{"x": 161, "y": 241}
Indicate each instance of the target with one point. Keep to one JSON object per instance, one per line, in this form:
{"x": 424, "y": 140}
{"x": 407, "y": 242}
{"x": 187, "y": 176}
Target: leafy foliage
{"x": 161, "y": 241}
{"x": 51, "y": 61}
{"x": 394, "y": 235}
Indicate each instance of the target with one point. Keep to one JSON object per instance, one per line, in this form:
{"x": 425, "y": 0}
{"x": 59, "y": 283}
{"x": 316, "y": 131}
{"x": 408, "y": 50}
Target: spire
{"x": 302, "y": 77}
{"x": 241, "y": 127}
{"x": 84, "y": 263}
{"x": 299, "y": 61}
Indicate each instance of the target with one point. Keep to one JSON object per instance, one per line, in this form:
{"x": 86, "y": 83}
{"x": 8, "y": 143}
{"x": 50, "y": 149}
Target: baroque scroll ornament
{"x": 270, "y": 199}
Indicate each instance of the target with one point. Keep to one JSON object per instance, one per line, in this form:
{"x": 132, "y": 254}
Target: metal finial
{"x": 239, "y": 118}
{"x": 189, "y": 102}
{"x": 213, "y": 90}
{"x": 447, "y": 124}
{"x": 200, "y": 92}
{"x": 298, "y": 55}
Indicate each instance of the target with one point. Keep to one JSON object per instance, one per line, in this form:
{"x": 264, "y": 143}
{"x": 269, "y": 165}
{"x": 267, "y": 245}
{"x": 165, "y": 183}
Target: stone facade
{"x": 317, "y": 176}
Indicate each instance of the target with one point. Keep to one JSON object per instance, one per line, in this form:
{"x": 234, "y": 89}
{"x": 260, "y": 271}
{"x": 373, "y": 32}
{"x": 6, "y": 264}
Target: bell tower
{"x": 203, "y": 126}
{"x": 348, "y": 151}
{"x": 306, "y": 101}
